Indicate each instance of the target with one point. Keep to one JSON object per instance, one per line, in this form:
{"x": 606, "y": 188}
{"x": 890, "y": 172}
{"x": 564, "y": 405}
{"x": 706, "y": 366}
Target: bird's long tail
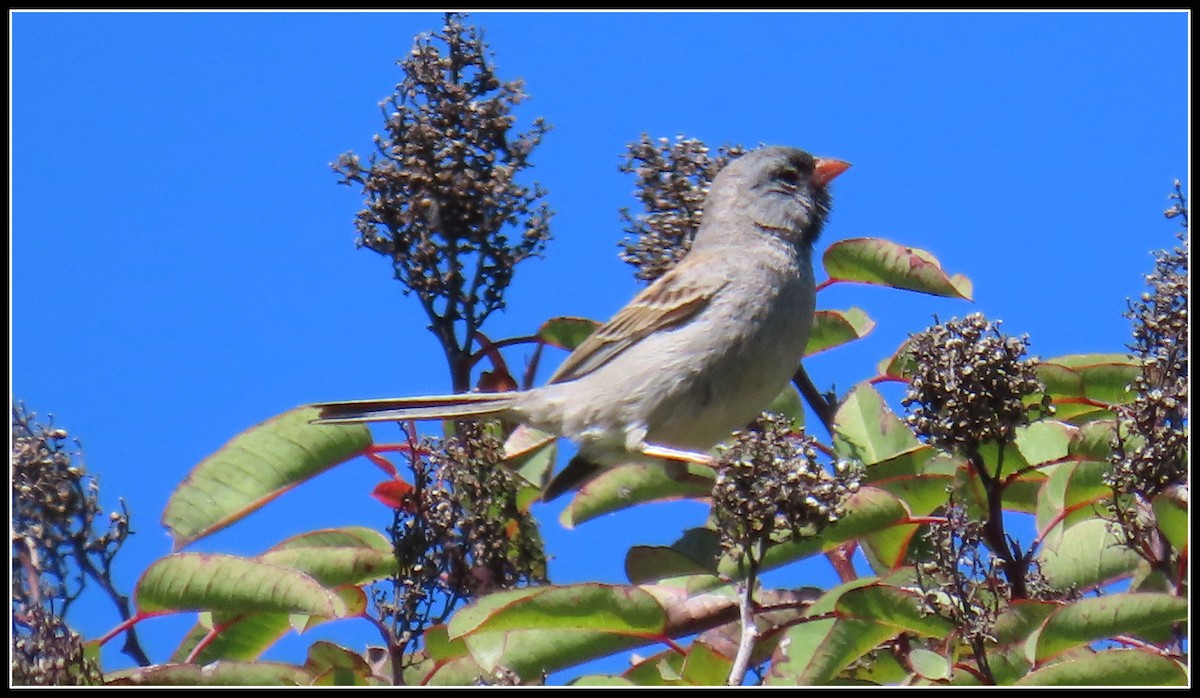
{"x": 428, "y": 407}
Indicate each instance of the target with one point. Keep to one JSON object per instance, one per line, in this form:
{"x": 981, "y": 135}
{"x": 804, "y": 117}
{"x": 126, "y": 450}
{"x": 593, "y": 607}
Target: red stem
{"x": 924, "y": 520}
{"x": 491, "y": 350}
{"x": 129, "y": 623}
{"x": 1084, "y": 401}
{"x": 207, "y": 640}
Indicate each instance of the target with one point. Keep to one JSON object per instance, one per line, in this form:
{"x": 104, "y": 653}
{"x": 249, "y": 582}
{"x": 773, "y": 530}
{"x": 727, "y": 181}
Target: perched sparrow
{"x": 697, "y": 354}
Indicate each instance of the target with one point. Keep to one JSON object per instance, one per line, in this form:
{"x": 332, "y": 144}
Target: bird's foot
{"x": 677, "y": 454}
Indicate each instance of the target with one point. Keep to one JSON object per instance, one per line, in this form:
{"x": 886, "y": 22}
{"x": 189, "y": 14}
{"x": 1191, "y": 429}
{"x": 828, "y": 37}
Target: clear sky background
{"x": 183, "y": 261}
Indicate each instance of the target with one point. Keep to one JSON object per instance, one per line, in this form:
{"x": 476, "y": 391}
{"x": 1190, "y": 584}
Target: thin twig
{"x": 749, "y": 636}
{"x": 532, "y": 366}
{"x": 824, "y": 407}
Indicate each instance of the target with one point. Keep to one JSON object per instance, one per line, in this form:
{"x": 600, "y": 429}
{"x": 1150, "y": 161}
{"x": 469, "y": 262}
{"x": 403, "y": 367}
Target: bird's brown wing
{"x": 672, "y": 299}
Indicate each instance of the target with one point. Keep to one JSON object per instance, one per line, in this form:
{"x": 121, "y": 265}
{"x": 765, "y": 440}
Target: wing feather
{"x": 674, "y": 298}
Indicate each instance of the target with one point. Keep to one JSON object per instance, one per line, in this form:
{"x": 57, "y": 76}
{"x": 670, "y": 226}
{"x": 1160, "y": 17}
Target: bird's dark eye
{"x": 789, "y": 177}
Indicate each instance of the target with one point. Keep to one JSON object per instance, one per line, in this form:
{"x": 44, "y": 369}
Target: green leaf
{"x": 884, "y": 669}
{"x": 335, "y": 557}
{"x": 531, "y": 453}
{"x": 1094, "y": 440}
{"x": 439, "y": 646}
{"x": 333, "y": 665}
{"x": 867, "y": 511}
{"x": 601, "y": 680}
{"x": 530, "y": 653}
{"x": 195, "y": 581}
{"x": 1015, "y": 631}
{"x": 887, "y": 549}
{"x": 334, "y": 566}
{"x": 544, "y": 629}
{"x": 1044, "y": 441}
{"x": 918, "y": 477}
{"x": 244, "y": 637}
{"x": 1096, "y": 618}
{"x": 1069, "y": 495}
{"x": 635, "y": 483}
{"x": 255, "y": 467}
{"x": 889, "y": 605}
{"x": 882, "y": 262}
{"x": 690, "y": 561}
{"x": 704, "y": 666}
{"x": 795, "y": 653}
{"x": 618, "y": 610}
{"x": 1013, "y": 462}
{"x": 566, "y": 332}
{"x": 459, "y": 671}
{"x": 662, "y": 669}
{"x": 929, "y": 664}
{"x": 901, "y": 364}
{"x": 343, "y": 537}
{"x": 816, "y": 652}
{"x": 866, "y": 429}
{"x": 1104, "y": 378}
{"x": 832, "y": 328}
{"x": 1084, "y": 360}
{"x": 1171, "y": 515}
{"x": 1118, "y": 667}
{"x": 1087, "y": 555}
{"x": 225, "y": 673}
{"x": 788, "y": 404}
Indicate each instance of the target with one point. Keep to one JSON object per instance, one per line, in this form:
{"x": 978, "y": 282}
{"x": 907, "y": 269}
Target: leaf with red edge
{"x": 866, "y": 429}
{"x": 895, "y": 606}
{"x": 1171, "y": 514}
{"x": 1096, "y": 618}
{"x": 832, "y": 328}
{"x": 333, "y": 665}
{"x": 547, "y": 628}
{"x": 1099, "y": 378}
{"x": 195, "y": 581}
{"x": 608, "y": 608}
{"x": 886, "y": 263}
{"x": 900, "y": 365}
{"x": 566, "y": 332}
{"x": 224, "y": 673}
{"x": 867, "y": 511}
{"x": 1114, "y": 667}
{"x": 256, "y": 466}
{"x": 239, "y": 637}
{"x": 626, "y": 485}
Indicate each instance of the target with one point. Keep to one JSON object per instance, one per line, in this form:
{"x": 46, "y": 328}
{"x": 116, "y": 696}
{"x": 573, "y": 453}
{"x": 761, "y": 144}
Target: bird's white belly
{"x": 692, "y": 390}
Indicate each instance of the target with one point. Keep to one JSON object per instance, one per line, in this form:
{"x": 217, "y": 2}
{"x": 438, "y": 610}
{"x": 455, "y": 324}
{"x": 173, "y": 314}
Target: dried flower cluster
{"x": 962, "y": 580}
{"x": 461, "y": 534}
{"x": 1152, "y": 452}
{"x": 47, "y": 652}
{"x": 54, "y": 551}
{"x": 770, "y": 487}
{"x": 1150, "y": 455}
{"x": 672, "y": 180}
{"x": 969, "y": 384}
{"x": 441, "y": 188}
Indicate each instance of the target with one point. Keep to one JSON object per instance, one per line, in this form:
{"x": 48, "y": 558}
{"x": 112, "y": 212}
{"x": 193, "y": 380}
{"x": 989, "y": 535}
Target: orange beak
{"x": 828, "y": 168}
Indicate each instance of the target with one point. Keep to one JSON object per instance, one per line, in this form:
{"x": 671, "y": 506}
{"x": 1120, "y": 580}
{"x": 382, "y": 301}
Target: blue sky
{"x": 183, "y": 259}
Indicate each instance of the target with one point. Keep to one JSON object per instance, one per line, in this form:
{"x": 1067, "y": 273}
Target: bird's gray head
{"x": 781, "y": 190}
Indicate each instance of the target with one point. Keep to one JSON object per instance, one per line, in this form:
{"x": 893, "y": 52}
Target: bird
{"x": 698, "y": 353}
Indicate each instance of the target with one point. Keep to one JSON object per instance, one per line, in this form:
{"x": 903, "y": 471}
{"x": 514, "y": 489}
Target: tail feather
{"x": 428, "y": 407}
{"x": 578, "y": 473}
